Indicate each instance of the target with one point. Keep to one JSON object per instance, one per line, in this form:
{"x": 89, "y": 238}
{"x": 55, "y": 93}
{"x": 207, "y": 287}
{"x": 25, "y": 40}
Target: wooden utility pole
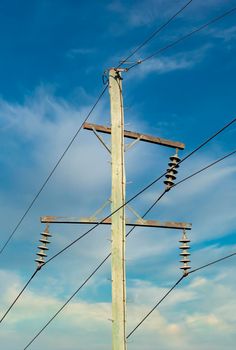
{"x": 118, "y": 221}
{"x": 118, "y": 218}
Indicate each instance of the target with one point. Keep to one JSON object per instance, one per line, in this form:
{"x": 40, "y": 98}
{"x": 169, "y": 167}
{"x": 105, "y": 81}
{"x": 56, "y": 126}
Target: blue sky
{"x": 53, "y": 55}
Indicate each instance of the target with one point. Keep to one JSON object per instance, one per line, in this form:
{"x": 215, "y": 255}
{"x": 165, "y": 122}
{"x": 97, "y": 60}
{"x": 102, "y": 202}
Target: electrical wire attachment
{"x": 43, "y": 247}
{"x": 185, "y": 253}
{"x": 105, "y": 78}
{"x": 171, "y": 171}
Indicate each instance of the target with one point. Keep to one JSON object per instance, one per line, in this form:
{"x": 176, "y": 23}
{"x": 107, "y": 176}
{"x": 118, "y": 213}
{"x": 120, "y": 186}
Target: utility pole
{"x": 118, "y": 219}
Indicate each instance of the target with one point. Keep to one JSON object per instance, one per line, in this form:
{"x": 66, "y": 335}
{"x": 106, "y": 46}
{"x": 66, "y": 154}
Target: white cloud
{"x": 167, "y": 64}
{"x": 46, "y": 124}
{"x": 227, "y": 34}
{"x": 164, "y": 65}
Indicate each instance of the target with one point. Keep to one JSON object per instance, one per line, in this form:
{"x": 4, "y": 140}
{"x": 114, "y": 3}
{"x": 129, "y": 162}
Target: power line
{"x": 208, "y": 140}
{"x": 172, "y": 288}
{"x": 159, "y": 302}
{"x": 215, "y": 19}
{"x": 52, "y": 171}
{"x": 72, "y": 140}
{"x": 89, "y": 277}
{"x": 141, "y": 191}
{"x": 181, "y": 181}
{"x": 100, "y": 96}
{"x": 18, "y": 296}
{"x": 212, "y": 263}
{"x": 97, "y": 268}
{"x": 76, "y": 134}
{"x": 157, "y": 31}
{"x": 150, "y": 208}
{"x": 60, "y": 159}
{"x": 130, "y": 231}
{"x": 204, "y": 168}
{"x": 199, "y": 268}
{"x": 67, "y": 302}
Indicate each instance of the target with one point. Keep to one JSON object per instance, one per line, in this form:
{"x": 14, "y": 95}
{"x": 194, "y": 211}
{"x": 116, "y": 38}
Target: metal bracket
{"x": 94, "y": 216}
{"x": 101, "y": 140}
{"x": 135, "y": 213}
{"x": 130, "y": 145}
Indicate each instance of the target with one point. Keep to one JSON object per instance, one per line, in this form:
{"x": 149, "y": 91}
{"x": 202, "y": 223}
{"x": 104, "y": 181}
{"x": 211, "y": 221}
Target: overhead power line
{"x": 67, "y": 302}
{"x": 204, "y": 168}
{"x": 100, "y": 96}
{"x": 174, "y": 43}
{"x": 148, "y": 314}
{"x": 96, "y": 269}
{"x": 130, "y": 231}
{"x": 18, "y": 296}
{"x": 89, "y": 277}
{"x": 150, "y": 208}
{"x": 52, "y": 171}
{"x": 175, "y": 285}
{"x": 141, "y": 191}
{"x": 213, "y": 262}
{"x": 76, "y": 134}
{"x": 159, "y": 302}
{"x": 157, "y": 31}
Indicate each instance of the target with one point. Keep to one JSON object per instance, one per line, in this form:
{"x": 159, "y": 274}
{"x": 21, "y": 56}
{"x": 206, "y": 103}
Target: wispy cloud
{"x": 196, "y": 309}
{"x": 73, "y": 53}
{"x": 227, "y": 34}
{"x": 46, "y": 123}
{"x": 167, "y": 64}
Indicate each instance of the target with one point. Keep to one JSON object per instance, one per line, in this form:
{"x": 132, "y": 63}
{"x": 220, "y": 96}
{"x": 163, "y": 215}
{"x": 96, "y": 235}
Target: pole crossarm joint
{"x": 134, "y": 135}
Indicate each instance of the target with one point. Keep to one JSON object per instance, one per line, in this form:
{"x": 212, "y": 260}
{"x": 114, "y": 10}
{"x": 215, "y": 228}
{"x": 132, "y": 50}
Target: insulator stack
{"x": 44, "y": 241}
{"x": 185, "y": 253}
{"x": 171, "y": 171}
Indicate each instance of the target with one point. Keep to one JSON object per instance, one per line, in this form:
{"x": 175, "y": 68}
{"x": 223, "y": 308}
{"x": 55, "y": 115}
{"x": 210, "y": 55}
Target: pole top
{"x": 118, "y": 69}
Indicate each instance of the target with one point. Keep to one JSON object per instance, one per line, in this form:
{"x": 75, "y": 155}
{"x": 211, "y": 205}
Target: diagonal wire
{"x": 156, "y": 201}
{"x": 67, "y": 302}
{"x": 89, "y": 277}
{"x": 208, "y": 140}
{"x": 130, "y": 231}
{"x": 159, "y": 302}
{"x": 141, "y": 191}
{"x": 157, "y": 31}
{"x": 97, "y": 268}
{"x": 212, "y": 263}
{"x": 100, "y": 96}
{"x": 181, "y": 181}
{"x": 18, "y": 296}
{"x": 62, "y": 156}
{"x": 52, "y": 171}
{"x": 204, "y": 168}
{"x": 72, "y": 140}
{"x": 197, "y": 269}
{"x": 174, "y": 43}
{"x": 175, "y": 285}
